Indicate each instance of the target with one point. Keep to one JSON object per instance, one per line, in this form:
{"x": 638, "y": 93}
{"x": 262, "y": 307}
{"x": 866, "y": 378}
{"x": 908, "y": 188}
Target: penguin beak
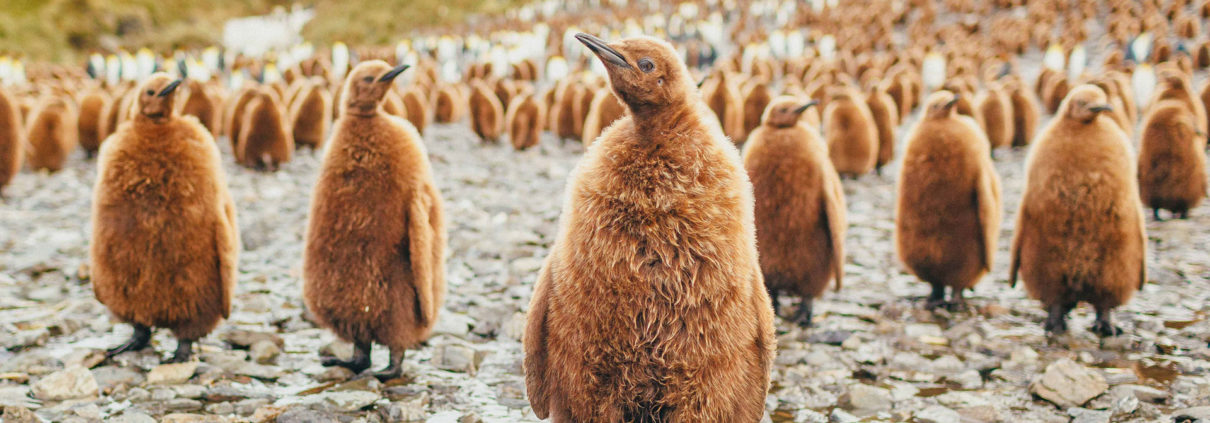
{"x": 603, "y": 51}
{"x": 169, "y": 89}
{"x": 806, "y": 106}
{"x": 702, "y": 82}
{"x": 390, "y": 75}
{"x": 1101, "y": 109}
{"x": 952, "y": 102}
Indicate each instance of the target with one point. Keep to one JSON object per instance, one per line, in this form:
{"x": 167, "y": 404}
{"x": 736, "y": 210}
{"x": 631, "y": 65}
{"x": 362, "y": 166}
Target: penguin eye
{"x": 368, "y": 79}
{"x": 150, "y": 92}
{"x": 646, "y": 65}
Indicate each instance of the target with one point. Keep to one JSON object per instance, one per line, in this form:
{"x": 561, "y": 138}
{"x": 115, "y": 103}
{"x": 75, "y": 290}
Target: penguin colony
{"x": 1106, "y": 139}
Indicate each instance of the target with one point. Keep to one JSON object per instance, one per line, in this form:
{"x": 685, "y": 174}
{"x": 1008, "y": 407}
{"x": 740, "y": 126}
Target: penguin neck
{"x": 663, "y": 122}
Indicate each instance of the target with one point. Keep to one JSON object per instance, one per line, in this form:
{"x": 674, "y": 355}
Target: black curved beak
{"x": 603, "y": 51}
{"x": 391, "y": 74}
{"x": 170, "y": 88}
{"x": 702, "y": 82}
{"x": 806, "y": 106}
{"x": 1101, "y": 109}
{"x": 951, "y": 103}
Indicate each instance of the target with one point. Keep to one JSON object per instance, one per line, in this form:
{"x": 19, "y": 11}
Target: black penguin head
{"x": 366, "y": 86}
{"x": 644, "y": 72}
{"x": 156, "y": 97}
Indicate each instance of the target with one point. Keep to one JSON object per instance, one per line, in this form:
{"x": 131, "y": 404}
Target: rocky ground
{"x": 874, "y": 355}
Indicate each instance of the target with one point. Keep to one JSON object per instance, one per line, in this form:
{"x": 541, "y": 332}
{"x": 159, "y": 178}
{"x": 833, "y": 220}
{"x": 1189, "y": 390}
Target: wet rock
{"x": 172, "y": 374}
{"x": 1068, "y": 384}
{"x": 71, "y": 383}
{"x": 937, "y": 414}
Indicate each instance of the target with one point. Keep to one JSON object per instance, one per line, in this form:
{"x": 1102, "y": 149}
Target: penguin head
{"x": 367, "y": 85}
{"x": 1171, "y": 77}
{"x": 644, "y": 72}
{"x": 784, "y": 111}
{"x": 156, "y": 97}
{"x": 941, "y": 104}
{"x": 1085, "y": 103}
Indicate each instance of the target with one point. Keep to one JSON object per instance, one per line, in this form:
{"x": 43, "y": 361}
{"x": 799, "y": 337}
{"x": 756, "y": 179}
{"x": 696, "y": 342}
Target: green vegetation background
{"x": 66, "y": 30}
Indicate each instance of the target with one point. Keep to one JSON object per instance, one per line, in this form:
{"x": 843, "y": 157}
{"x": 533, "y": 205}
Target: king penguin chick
{"x": 996, "y": 110}
{"x": 199, "y": 103}
{"x": 851, "y": 135}
{"x": 948, "y": 208}
{"x": 657, "y": 233}
{"x": 92, "y": 105}
{"x": 309, "y": 115}
{"x": 1026, "y": 112}
{"x": 51, "y": 134}
{"x": 1080, "y": 233}
{"x": 800, "y": 207}
{"x": 487, "y": 115}
{"x": 1172, "y": 162}
{"x": 374, "y": 266}
{"x": 10, "y": 139}
{"x": 264, "y": 140}
{"x": 605, "y": 110}
{"x": 886, "y": 118}
{"x": 524, "y": 117}
{"x": 165, "y": 243}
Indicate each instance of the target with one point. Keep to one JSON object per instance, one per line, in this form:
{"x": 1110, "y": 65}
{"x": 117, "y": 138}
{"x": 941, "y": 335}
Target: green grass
{"x": 67, "y": 30}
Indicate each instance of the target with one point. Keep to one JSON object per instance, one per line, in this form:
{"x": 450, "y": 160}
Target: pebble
{"x": 1068, "y": 384}
{"x": 172, "y": 374}
{"x": 937, "y": 414}
{"x": 866, "y": 398}
{"x": 71, "y": 383}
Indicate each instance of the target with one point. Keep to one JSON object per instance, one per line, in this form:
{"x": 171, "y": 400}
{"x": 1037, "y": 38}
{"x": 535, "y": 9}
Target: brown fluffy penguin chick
{"x": 165, "y": 243}
{"x": 417, "y": 108}
{"x": 657, "y": 232}
{"x": 448, "y": 105}
{"x": 235, "y": 120}
{"x": 1172, "y": 162}
{"x": 1205, "y": 95}
{"x": 51, "y": 135}
{"x": 109, "y": 116}
{"x": 851, "y": 134}
{"x": 724, "y": 99}
{"x": 756, "y": 99}
{"x": 1080, "y": 233}
{"x": 487, "y": 115}
{"x": 996, "y": 110}
{"x": 1026, "y": 112}
{"x": 886, "y": 117}
{"x": 374, "y": 266}
{"x": 264, "y": 141}
{"x": 800, "y": 207}
{"x": 606, "y": 109}
{"x": 524, "y": 118}
{"x": 948, "y": 207}
{"x": 199, "y": 103}
{"x": 1175, "y": 85}
{"x": 563, "y": 116}
{"x": 88, "y": 123}
{"x": 11, "y": 143}
{"x": 309, "y": 115}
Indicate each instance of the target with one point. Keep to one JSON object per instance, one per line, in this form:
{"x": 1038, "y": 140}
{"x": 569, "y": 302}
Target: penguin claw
{"x": 356, "y": 366}
{"x": 935, "y": 303}
{"x": 138, "y": 341}
{"x": 391, "y": 372}
{"x": 1106, "y": 330}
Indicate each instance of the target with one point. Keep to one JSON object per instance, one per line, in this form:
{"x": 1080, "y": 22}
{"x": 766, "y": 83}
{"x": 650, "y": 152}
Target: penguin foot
{"x": 357, "y": 364}
{"x": 803, "y": 316}
{"x": 137, "y": 342}
{"x": 395, "y": 369}
{"x": 184, "y": 351}
{"x": 1056, "y": 324}
{"x": 936, "y": 298}
{"x": 1104, "y": 327}
{"x": 1183, "y": 215}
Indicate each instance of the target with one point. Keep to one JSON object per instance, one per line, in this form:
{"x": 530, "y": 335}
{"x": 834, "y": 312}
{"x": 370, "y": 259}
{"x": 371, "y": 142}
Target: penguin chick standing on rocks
{"x": 851, "y": 134}
{"x": 51, "y": 134}
{"x": 92, "y": 104}
{"x": 487, "y": 115}
{"x": 10, "y": 139}
{"x": 1080, "y": 233}
{"x": 1025, "y": 111}
{"x": 948, "y": 212}
{"x": 886, "y": 118}
{"x": 1172, "y": 162}
{"x": 996, "y": 111}
{"x": 374, "y": 266}
{"x": 165, "y": 243}
{"x": 800, "y": 207}
{"x": 651, "y": 306}
{"x": 524, "y": 117}
{"x": 309, "y": 115}
{"x": 264, "y": 140}
{"x": 201, "y": 104}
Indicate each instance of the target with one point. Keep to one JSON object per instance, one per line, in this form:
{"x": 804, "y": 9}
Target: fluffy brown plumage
{"x": 800, "y": 207}
{"x": 524, "y": 117}
{"x": 487, "y": 115}
{"x": 756, "y": 99}
{"x": 11, "y": 143}
{"x": 724, "y": 99}
{"x": 996, "y": 110}
{"x": 88, "y": 123}
{"x": 51, "y": 135}
{"x": 417, "y": 108}
{"x": 264, "y": 142}
{"x": 165, "y": 243}
{"x": 948, "y": 208}
{"x": 1172, "y": 162}
{"x": 851, "y": 134}
{"x": 657, "y": 233}
{"x": 1026, "y": 113}
{"x": 563, "y": 116}
{"x": 235, "y": 119}
{"x": 886, "y": 117}
{"x": 374, "y": 267}
{"x": 309, "y": 115}
{"x": 448, "y": 106}
{"x": 1080, "y": 233}
{"x": 201, "y": 104}
{"x": 606, "y": 109}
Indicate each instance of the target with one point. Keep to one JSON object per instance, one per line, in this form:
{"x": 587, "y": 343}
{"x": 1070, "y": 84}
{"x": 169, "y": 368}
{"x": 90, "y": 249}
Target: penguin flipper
{"x": 228, "y": 246}
{"x": 420, "y": 246}
{"x": 1018, "y": 236}
{"x": 987, "y": 199}
{"x": 834, "y": 208}
{"x": 535, "y": 365}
